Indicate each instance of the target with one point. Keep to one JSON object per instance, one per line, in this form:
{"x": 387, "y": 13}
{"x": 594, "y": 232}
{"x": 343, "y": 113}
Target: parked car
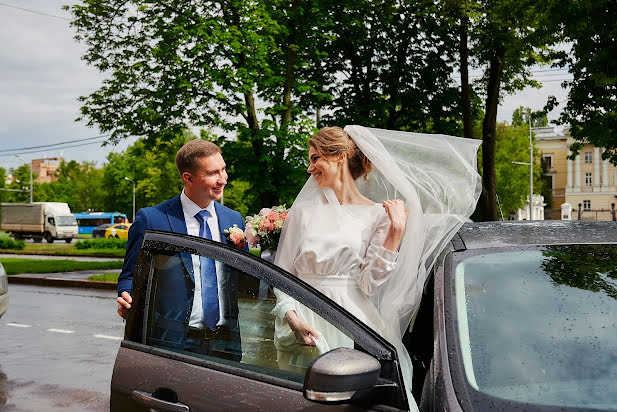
{"x": 99, "y": 231}
{"x": 514, "y": 316}
{"x": 118, "y": 230}
{"x": 4, "y": 291}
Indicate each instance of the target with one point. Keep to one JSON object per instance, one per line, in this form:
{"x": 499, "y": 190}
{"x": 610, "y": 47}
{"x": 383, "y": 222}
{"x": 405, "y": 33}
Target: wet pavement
{"x": 57, "y": 348}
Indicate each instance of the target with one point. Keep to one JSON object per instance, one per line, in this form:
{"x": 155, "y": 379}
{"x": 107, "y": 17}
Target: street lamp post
{"x": 132, "y": 181}
{"x": 18, "y": 156}
{"x": 530, "y": 164}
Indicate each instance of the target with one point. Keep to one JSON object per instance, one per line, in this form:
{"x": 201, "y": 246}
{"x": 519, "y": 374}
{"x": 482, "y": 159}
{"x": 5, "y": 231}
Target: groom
{"x": 207, "y": 293}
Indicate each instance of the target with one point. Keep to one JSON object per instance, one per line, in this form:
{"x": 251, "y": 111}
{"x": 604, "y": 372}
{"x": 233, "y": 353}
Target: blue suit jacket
{"x": 175, "y": 280}
{"x": 167, "y": 216}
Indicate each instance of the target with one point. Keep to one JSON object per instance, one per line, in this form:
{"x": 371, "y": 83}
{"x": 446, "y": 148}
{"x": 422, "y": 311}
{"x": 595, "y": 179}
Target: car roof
{"x": 484, "y": 235}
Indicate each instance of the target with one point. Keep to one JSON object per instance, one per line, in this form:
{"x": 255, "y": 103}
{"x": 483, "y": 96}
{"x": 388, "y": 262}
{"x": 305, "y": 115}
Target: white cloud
{"x": 41, "y": 78}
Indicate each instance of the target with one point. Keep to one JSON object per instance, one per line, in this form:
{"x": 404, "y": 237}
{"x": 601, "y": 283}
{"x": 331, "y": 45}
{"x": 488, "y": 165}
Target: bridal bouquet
{"x": 265, "y": 228}
{"x": 235, "y": 236}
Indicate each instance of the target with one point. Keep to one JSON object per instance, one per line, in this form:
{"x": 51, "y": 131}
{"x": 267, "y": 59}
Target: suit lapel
{"x": 175, "y": 216}
{"x": 223, "y": 219}
{"x": 177, "y": 224}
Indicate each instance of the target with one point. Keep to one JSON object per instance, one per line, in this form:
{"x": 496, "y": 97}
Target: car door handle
{"x": 149, "y": 401}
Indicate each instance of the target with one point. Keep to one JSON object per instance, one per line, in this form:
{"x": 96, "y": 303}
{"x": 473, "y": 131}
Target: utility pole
{"x": 30, "y": 167}
{"x": 530, "y": 167}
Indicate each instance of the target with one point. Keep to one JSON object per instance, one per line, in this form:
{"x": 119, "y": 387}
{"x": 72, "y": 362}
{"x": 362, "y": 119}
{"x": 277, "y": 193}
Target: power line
{"x": 38, "y": 151}
{"x": 54, "y": 144}
{"x": 34, "y": 11}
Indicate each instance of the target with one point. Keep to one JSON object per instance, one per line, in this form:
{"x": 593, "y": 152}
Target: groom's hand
{"x": 124, "y": 304}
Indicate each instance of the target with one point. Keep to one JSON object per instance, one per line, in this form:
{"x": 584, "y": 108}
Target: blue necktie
{"x": 209, "y": 287}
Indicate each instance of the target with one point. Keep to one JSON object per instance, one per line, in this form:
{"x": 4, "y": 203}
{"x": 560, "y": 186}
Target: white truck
{"x": 39, "y": 220}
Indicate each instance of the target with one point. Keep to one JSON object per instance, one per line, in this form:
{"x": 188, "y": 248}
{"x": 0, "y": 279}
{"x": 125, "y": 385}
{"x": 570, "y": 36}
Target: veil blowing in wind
{"x": 436, "y": 176}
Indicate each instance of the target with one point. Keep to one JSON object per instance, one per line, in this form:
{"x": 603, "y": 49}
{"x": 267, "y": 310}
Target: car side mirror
{"x": 337, "y": 375}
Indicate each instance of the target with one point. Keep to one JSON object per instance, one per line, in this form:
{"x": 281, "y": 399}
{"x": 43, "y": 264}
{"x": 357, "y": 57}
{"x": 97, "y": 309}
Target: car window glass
{"x": 538, "y": 326}
{"x": 248, "y": 334}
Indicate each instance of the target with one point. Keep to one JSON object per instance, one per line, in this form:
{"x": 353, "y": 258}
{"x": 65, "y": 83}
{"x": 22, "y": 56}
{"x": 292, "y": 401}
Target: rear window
{"x": 540, "y": 326}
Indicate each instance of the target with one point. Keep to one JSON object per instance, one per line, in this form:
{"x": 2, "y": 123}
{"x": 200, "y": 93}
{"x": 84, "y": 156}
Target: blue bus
{"x": 86, "y": 221}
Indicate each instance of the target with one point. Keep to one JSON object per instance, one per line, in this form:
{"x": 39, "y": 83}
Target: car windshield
{"x": 66, "y": 221}
{"x": 540, "y": 326}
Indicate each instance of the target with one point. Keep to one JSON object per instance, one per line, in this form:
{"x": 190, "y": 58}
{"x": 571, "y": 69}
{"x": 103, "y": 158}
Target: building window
{"x": 588, "y": 157}
{"x": 588, "y": 179}
{"x": 586, "y": 205}
{"x": 547, "y": 162}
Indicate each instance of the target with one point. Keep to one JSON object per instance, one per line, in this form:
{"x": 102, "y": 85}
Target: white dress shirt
{"x": 190, "y": 209}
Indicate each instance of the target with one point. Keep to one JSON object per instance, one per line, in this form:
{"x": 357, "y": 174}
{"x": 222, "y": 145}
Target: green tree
{"x": 2, "y": 184}
{"x": 153, "y": 169}
{"x": 590, "y": 29}
{"x": 506, "y": 38}
{"x": 394, "y": 66}
{"x": 512, "y": 145}
{"x": 521, "y": 116}
{"x": 21, "y": 181}
{"x": 78, "y": 184}
{"x": 237, "y": 66}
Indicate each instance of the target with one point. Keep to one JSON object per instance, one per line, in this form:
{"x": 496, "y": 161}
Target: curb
{"x": 68, "y": 283}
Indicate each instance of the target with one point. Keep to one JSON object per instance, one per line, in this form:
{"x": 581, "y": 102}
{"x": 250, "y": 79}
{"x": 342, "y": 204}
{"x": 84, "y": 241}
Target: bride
{"x": 365, "y": 229}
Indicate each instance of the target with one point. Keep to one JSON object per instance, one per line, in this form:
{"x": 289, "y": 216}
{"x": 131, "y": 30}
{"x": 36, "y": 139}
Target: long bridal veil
{"x": 436, "y": 175}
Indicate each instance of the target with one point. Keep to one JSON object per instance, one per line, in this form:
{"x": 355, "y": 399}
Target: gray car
{"x": 515, "y": 316}
{"x": 4, "y": 291}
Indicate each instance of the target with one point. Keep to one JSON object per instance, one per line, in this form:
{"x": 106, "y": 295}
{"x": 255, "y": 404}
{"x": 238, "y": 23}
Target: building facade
{"x": 588, "y": 183}
{"x": 45, "y": 168}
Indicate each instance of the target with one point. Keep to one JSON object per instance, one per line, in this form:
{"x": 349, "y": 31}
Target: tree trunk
{"x": 488, "y": 199}
{"x": 267, "y": 199}
{"x": 465, "y": 94}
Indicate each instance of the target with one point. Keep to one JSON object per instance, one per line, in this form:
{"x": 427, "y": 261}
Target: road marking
{"x": 108, "y": 337}
{"x": 18, "y": 325}
{"x": 61, "y": 331}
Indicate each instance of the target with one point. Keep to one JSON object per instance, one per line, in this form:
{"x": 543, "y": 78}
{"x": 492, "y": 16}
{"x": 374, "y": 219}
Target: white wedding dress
{"x": 341, "y": 254}
{"x": 338, "y": 248}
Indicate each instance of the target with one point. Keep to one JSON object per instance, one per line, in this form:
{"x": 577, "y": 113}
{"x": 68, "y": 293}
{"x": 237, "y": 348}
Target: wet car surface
{"x": 515, "y": 316}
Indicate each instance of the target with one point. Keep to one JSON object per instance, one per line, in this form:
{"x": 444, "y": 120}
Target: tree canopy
{"x": 261, "y": 77}
{"x": 589, "y": 28}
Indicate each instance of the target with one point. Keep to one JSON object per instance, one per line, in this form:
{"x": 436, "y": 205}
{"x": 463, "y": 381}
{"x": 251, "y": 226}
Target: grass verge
{"x": 105, "y": 277}
{"x": 15, "y": 266}
{"x": 64, "y": 250}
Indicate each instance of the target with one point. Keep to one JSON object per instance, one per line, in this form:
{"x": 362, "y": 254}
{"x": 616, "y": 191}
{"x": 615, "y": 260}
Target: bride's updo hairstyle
{"x": 334, "y": 142}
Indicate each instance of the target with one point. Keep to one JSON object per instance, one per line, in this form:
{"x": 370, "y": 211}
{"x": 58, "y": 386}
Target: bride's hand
{"x": 398, "y": 219}
{"x": 305, "y": 334}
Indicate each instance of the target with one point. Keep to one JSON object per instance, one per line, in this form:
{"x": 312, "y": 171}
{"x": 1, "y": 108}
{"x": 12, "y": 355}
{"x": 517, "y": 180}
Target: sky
{"x": 42, "y": 76}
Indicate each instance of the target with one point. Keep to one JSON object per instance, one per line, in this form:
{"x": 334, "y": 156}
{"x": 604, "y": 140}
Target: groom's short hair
{"x": 191, "y": 152}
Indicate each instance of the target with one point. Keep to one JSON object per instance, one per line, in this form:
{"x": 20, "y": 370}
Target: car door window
{"x": 256, "y": 347}
{"x": 248, "y": 334}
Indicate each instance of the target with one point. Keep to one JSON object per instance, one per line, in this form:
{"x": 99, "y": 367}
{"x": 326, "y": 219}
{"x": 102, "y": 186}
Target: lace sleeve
{"x": 379, "y": 262}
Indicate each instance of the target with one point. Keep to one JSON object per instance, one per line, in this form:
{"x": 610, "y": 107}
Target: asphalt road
{"x": 57, "y": 349}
